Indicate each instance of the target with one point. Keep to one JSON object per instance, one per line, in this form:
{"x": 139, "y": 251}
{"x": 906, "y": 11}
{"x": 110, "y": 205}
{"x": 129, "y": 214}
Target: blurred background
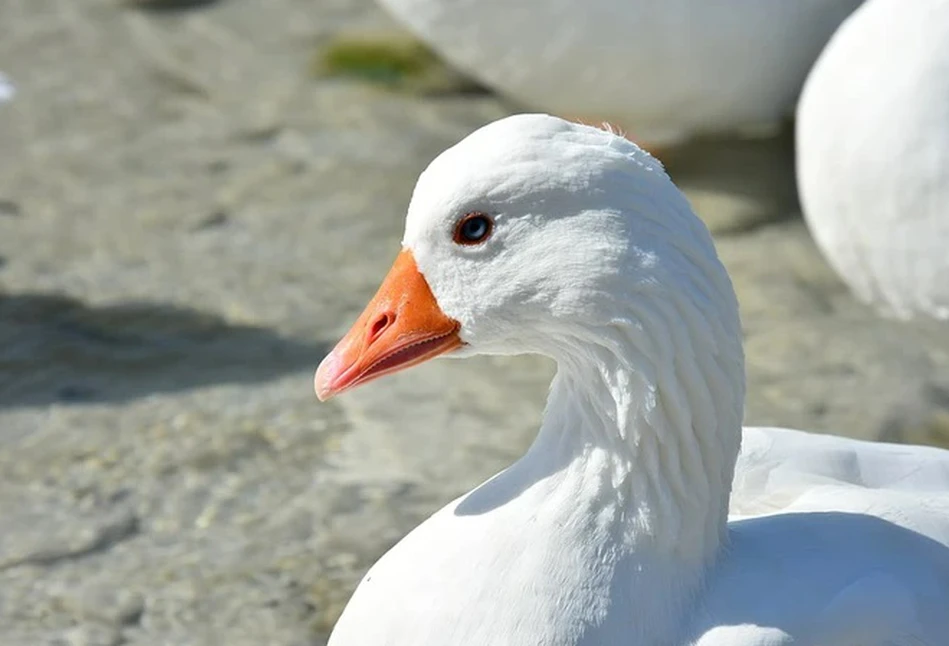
{"x": 196, "y": 200}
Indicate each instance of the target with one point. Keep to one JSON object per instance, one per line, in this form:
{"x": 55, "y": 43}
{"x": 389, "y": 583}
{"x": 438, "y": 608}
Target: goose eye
{"x": 473, "y": 228}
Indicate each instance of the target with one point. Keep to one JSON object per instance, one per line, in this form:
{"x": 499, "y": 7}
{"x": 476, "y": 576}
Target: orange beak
{"x": 401, "y": 327}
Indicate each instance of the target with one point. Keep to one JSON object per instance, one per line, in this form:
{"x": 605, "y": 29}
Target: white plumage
{"x": 663, "y": 70}
{"x": 873, "y": 155}
{"x": 613, "y": 529}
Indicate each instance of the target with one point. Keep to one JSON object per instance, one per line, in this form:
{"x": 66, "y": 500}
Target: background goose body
{"x": 873, "y": 155}
{"x": 662, "y": 70}
{"x": 538, "y": 235}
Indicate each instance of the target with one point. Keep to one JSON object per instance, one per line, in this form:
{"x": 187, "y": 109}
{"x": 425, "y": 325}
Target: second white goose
{"x": 664, "y": 71}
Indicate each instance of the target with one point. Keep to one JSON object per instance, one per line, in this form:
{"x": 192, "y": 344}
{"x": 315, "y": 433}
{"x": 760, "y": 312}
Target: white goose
{"x": 538, "y": 235}
{"x": 663, "y": 70}
{"x": 873, "y": 155}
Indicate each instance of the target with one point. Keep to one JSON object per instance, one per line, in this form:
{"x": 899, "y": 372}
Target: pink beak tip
{"x": 325, "y": 375}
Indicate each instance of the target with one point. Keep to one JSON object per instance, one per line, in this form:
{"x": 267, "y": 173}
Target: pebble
{"x": 7, "y": 89}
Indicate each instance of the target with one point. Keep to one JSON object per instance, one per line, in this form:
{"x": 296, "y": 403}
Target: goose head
{"x": 538, "y": 235}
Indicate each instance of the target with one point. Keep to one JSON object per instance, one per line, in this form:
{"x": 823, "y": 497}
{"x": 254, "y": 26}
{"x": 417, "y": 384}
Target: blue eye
{"x": 473, "y": 228}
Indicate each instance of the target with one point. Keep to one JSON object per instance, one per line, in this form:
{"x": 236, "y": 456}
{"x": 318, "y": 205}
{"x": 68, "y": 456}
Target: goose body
{"x": 664, "y": 71}
{"x": 873, "y": 155}
{"x": 633, "y": 519}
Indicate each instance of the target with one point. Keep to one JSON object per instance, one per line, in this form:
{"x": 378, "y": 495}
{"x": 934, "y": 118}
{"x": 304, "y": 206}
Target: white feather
{"x": 613, "y": 530}
{"x": 664, "y": 70}
{"x": 873, "y": 155}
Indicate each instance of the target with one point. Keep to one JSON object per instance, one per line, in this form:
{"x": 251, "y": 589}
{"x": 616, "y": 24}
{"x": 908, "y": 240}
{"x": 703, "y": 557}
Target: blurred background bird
{"x": 873, "y": 155}
{"x": 661, "y": 71}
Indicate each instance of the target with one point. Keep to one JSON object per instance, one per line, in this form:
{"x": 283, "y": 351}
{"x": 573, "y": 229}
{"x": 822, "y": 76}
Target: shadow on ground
{"x": 168, "y": 6}
{"x": 57, "y": 349}
{"x": 761, "y": 170}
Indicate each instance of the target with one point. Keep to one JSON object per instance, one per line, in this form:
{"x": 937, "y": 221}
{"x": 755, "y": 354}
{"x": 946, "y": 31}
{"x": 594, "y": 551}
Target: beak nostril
{"x": 380, "y": 325}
